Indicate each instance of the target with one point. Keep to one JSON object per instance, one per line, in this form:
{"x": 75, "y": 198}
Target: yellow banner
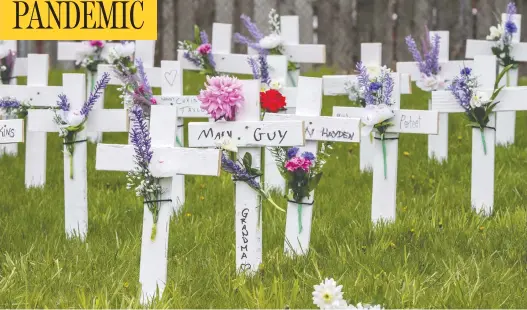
{"x": 78, "y": 19}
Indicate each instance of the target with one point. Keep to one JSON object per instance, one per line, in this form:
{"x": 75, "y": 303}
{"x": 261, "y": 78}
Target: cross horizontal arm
{"x": 404, "y": 121}
{"x": 324, "y": 128}
{"x": 153, "y": 74}
{"x": 107, "y": 120}
{"x": 247, "y": 133}
{"x": 166, "y": 161}
{"x": 448, "y": 69}
{"x": 482, "y": 47}
{"x": 68, "y": 50}
{"x": 306, "y": 53}
{"x": 38, "y": 96}
{"x": 11, "y": 131}
{"x": 510, "y": 99}
{"x": 335, "y": 85}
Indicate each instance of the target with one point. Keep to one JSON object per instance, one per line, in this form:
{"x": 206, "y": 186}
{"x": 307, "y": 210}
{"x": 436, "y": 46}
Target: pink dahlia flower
{"x": 222, "y": 97}
{"x": 97, "y": 43}
{"x": 204, "y": 49}
{"x": 298, "y": 163}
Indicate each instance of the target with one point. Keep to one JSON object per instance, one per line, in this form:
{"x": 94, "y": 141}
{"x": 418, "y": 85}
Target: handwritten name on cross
{"x": 385, "y": 173}
{"x": 510, "y": 99}
{"x": 249, "y": 134}
{"x": 335, "y": 85}
{"x": 438, "y": 144}
{"x": 75, "y": 189}
{"x": 166, "y": 162}
{"x": 505, "y": 120}
{"x": 317, "y": 128}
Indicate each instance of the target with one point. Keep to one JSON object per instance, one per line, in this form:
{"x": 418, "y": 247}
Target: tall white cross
{"x": 39, "y": 95}
{"x": 167, "y": 161}
{"x": 76, "y": 188}
{"x": 144, "y": 50}
{"x": 385, "y": 173}
{"x": 19, "y": 70}
{"x": 335, "y": 85}
{"x": 249, "y": 134}
{"x": 510, "y": 99}
{"x": 317, "y": 128}
{"x": 505, "y": 120}
{"x": 438, "y": 144}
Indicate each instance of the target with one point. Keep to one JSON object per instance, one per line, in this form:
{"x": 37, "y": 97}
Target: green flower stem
{"x": 155, "y": 217}
{"x": 300, "y": 218}
{"x": 71, "y": 166}
{"x": 508, "y": 79}
{"x": 92, "y": 81}
{"x": 384, "y": 154}
{"x": 291, "y": 78}
{"x": 483, "y": 140}
{"x": 153, "y": 234}
{"x": 178, "y": 142}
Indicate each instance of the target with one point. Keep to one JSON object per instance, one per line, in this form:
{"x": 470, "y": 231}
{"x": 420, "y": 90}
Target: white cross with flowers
{"x": 19, "y": 70}
{"x": 37, "y": 94}
{"x": 337, "y": 85}
{"x": 505, "y": 120}
{"x": 483, "y": 142}
{"x": 75, "y": 170}
{"x": 248, "y": 134}
{"x": 385, "y": 154}
{"x": 143, "y": 49}
{"x": 437, "y": 144}
{"x": 165, "y": 162}
{"x": 318, "y": 128}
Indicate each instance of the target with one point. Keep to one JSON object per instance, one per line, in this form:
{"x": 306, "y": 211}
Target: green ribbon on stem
{"x": 300, "y": 228}
{"x": 482, "y": 130}
{"x": 384, "y": 154}
{"x": 178, "y": 142}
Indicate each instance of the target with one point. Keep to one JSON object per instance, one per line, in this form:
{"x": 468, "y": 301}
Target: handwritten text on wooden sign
{"x": 11, "y": 131}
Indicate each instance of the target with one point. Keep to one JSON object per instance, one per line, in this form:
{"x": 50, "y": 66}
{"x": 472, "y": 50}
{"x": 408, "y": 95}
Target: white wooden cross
{"x": 249, "y": 134}
{"x": 317, "y": 128}
{"x": 38, "y": 94}
{"x": 385, "y": 181}
{"x": 76, "y": 189}
{"x": 144, "y": 50}
{"x": 438, "y": 144}
{"x": 19, "y": 70}
{"x": 510, "y": 99}
{"x": 505, "y": 120}
{"x": 167, "y": 161}
{"x": 335, "y": 85}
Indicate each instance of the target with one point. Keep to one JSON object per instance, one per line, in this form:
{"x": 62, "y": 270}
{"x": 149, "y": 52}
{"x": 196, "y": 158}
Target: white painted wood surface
{"x": 38, "y": 94}
{"x": 246, "y": 133}
{"x": 11, "y": 131}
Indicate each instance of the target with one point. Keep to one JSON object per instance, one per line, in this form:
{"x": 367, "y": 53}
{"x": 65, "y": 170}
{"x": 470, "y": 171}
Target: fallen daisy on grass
{"x": 329, "y": 295}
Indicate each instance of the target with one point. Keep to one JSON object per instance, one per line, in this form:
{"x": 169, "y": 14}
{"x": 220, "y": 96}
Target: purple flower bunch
{"x": 377, "y": 89}
{"x": 140, "y": 138}
{"x": 8, "y": 103}
{"x": 260, "y": 69}
{"x": 239, "y": 172}
{"x": 510, "y": 26}
{"x": 463, "y": 86}
{"x": 199, "y": 51}
{"x": 64, "y": 105}
{"x": 255, "y": 33}
{"x": 428, "y": 60}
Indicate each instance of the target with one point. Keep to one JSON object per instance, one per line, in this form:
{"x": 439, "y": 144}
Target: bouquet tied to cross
{"x": 427, "y": 61}
{"x": 302, "y": 172}
{"x": 271, "y": 99}
{"x": 199, "y": 52}
{"x": 378, "y": 88}
{"x": 7, "y": 64}
{"x": 71, "y": 122}
{"x": 271, "y": 44}
{"x": 478, "y": 105}
{"x": 10, "y": 107}
{"x": 91, "y": 54}
{"x": 502, "y": 36}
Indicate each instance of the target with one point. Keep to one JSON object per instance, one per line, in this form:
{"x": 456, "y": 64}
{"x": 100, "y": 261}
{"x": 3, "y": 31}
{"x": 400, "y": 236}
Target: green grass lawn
{"x": 437, "y": 254}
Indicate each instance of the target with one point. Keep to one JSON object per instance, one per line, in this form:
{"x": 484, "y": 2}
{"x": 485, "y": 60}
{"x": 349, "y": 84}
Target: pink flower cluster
{"x": 97, "y": 43}
{"x": 298, "y": 163}
{"x": 222, "y": 97}
{"x": 204, "y": 49}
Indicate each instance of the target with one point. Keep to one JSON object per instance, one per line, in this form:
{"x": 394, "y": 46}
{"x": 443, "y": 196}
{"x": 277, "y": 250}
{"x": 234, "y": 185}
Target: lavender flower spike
{"x": 140, "y": 138}
{"x": 416, "y": 55}
{"x": 95, "y": 94}
{"x": 511, "y": 8}
{"x": 251, "y": 27}
{"x": 254, "y": 67}
{"x": 264, "y": 70}
{"x": 364, "y": 82}
{"x": 143, "y": 77}
{"x": 204, "y": 37}
{"x": 63, "y": 103}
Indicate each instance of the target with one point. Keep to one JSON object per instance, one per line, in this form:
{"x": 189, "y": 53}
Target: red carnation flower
{"x": 272, "y": 100}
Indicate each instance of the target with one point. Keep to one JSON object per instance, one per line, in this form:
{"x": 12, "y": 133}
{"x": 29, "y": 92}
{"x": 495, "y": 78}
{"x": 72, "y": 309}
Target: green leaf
{"x": 247, "y": 160}
{"x": 501, "y": 75}
{"x": 197, "y": 37}
{"x": 496, "y": 92}
{"x": 313, "y": 182}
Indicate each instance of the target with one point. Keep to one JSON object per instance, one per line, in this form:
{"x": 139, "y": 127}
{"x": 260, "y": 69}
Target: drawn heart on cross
{"x": 170, "y": 77}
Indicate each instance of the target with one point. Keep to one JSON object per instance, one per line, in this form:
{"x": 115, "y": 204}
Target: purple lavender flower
{"x": 140, "y": 138}
{"x": 251, "y": 27}
{"x": 375, "y": 86}
{"x": 510, "y": 27}
{"x": 264, "y": 70}
{"x": 255, "y": 33}
{"x": 254, "y": 68}
{"x": 9, "y": 103}
{"x": 466, "y": 71}
{"x": 387, "y": 88}
{"x": 188, "y": 56}
{"x": 511, "y": 8}
{"x": 238, "y": 172}
{"x": 364, "y": 82}
{"x": 308, "y": 155}
{"x": 461, "y": 90}
{"x": 428, "y": 61}
{"x": 292, "y": 152}
{"x": 204, "y": 37}
{"x": 94, "y": 95}
{"x": 63, "y": 103}
{"x": 143, "y": 77}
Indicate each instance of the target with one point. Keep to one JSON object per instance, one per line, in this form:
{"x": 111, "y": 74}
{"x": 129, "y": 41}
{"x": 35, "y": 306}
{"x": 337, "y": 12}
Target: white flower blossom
{"x": 495, "y": 33}
{"x": 431, "y": 83}
{"x": 271, "y": 41}
{"x": 328, "y": 295}
{"x": 374, "y": 115}
{"x": 479, "y": 99}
